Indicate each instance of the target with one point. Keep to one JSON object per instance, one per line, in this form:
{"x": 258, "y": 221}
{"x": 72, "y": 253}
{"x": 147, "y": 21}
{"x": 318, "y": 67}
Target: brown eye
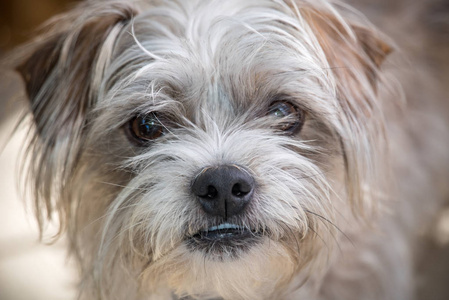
{"x": 145, "y": 128}
{"x": 289, "y": 118}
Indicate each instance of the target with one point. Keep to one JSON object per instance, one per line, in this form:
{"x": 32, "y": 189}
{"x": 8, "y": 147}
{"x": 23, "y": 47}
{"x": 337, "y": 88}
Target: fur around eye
{"x": 290, "y": 118}
{"x": 145, "y": 128}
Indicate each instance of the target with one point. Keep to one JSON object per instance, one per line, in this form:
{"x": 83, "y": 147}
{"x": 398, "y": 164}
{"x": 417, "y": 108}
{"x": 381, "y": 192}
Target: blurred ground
{"x": 32, "y": 270}
{"x": 29, "y": 269}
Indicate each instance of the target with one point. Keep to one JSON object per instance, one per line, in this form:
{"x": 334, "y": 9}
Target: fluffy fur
{"x": 333, "y": 203}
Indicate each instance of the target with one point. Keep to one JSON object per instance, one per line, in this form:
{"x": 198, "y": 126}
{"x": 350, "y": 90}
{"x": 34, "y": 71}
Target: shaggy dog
{"x": 233, "y": 149}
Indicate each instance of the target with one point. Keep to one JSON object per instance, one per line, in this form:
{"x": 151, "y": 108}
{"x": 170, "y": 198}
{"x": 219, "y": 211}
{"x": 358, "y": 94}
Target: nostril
{"x": 240, "y": 190}
{"x": 211, "y": 192}
{"x": 207, "y": 192}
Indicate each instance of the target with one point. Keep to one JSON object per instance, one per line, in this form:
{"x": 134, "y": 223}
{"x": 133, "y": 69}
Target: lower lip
{"x": 223, "y": 234}
{"x": 219, "y": 244}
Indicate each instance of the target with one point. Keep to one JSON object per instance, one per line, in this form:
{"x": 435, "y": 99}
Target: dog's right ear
{"x": 37, "y": 68}
{"x": 60, "y": 67}
{"x": 62, "y": 71}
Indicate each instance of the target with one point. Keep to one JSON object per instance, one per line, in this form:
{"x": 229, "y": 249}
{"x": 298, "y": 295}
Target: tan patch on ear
{"x": 346, "y": 44}
{"x": 376, "y": 49}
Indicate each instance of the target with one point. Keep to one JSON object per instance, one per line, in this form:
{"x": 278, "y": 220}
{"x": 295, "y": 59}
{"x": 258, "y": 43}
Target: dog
{"x": 233, "y": 149}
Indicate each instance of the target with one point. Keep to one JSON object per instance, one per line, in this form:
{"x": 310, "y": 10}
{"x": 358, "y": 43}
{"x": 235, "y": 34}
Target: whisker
{"x": 331, "y": 223}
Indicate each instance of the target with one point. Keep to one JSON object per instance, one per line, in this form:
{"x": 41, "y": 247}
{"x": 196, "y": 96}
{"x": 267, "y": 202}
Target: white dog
{"x": 233, "y": 149}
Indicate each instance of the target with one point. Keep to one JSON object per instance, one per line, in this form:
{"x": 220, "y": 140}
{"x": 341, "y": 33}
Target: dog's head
{"x": 207, "y": 147}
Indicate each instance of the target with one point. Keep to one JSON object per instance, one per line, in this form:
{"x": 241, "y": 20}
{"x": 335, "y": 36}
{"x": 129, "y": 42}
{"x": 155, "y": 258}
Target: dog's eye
{"x": 145, "y": 128}
{"x": 290, "y": 118}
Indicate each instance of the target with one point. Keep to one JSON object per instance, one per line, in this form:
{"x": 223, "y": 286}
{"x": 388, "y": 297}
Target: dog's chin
{"x": 226, "y": 240}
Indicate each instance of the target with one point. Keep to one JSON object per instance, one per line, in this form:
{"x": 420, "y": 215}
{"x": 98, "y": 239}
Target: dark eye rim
{"x": 292, "y": 127}
{"x": 136, "y": 138}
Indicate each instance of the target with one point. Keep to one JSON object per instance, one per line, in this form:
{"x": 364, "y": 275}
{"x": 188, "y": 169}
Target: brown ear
{"x": 348, "y": 44}
{"x": 375, "y": 48}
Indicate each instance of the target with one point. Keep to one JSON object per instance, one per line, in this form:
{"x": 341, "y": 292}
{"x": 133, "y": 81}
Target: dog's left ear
{"x": 354, "y": 52}
{"x": 348, "y": 44}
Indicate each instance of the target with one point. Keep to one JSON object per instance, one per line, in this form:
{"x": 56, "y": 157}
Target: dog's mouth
{"x": 222, "y": 232}
{"x": 225, "y": 238}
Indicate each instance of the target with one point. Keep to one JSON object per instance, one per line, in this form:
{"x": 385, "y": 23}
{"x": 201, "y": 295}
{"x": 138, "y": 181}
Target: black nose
{"x": 223, "y": 190}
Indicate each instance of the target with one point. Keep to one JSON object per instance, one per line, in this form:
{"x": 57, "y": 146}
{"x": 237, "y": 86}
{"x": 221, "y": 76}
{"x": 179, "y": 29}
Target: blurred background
{"x": 30, "y": 269}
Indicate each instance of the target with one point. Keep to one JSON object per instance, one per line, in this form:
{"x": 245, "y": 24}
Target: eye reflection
{"x": 145, "y": 128}
{"x": 290, "y": 117}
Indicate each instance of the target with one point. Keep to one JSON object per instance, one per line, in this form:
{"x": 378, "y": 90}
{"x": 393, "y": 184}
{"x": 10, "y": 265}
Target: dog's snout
{"x": 224, "y": 190}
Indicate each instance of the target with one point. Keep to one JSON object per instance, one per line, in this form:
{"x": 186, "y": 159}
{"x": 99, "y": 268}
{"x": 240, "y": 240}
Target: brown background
{"x": 19, "y": 17}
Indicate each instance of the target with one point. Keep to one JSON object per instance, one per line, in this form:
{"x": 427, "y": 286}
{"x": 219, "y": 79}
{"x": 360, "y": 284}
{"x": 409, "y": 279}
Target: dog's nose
{"x": 224, "y": 190}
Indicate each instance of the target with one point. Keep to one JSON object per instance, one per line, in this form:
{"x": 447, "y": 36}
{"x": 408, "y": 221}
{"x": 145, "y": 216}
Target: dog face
{"x": 207, "y": 149}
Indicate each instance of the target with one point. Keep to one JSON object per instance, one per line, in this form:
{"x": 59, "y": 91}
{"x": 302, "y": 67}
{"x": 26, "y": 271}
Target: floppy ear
{"x": 62, "y": 70}
{"x": 61, "y": 66}
{"x": 354, "y": 52}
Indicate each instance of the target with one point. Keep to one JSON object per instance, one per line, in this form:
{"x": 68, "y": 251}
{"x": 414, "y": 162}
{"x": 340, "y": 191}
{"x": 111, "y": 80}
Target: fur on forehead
{"x": 231, "y": 57}
{"x": 225, "y": 58}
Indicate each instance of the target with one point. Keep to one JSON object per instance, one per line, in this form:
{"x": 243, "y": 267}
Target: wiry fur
{"x": 332, "y": 228}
